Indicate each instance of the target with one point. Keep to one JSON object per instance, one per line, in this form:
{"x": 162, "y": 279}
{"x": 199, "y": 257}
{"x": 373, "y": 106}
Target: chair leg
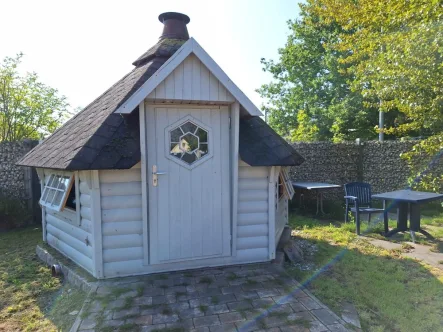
{"x": 385, "y": 220}
{"x": 347, "y": 213}
{"x": 357, "y": 222}
{"x": 369, "y": 218}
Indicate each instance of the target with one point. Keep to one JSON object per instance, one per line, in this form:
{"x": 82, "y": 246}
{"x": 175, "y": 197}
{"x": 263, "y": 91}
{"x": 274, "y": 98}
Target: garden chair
{"x": 358, "y": 201}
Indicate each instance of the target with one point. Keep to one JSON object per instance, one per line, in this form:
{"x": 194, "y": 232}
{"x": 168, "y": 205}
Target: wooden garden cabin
{"x": 171, "y": 168}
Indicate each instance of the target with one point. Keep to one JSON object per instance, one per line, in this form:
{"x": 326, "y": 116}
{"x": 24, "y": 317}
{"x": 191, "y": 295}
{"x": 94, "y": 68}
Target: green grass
{"x": 390, "y": 292}
{"x": 30, "y": 298}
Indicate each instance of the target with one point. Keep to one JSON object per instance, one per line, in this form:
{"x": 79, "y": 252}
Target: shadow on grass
{"x": 390, "y": 292}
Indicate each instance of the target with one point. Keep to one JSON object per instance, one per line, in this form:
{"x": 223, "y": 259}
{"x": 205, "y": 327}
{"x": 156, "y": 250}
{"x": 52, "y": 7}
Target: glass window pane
{"x": 64, "y": 181}
{"x": 202, "y": 135}
{"x": 175, "y": 135}
{"x": 203, "y": 150}
{"x": 189, "y": 158}
{"x": 51, "y": 179}
{"x": 175, "y": 149}
{"x": 50, "y": 196}
{"x": 58, "y": 198}
{"x": 189, "y": 127}
{"x": 45, "y": 194}
{"x": 189, "y": 143}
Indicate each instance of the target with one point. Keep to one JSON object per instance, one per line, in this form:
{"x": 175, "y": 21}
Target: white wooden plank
{"x": 71, "y": 241}
{"x": 253, "y": 195}
{"x": 77, "y": 197}
{"x": 41, "y": 175}
{"x": 252, "y": 242}
{"x": 204, "y": 83}
{"x": 85, "y": 200}
{"x": 144, "y": 181}
{"x": 196, "y": 79}
{"x": 252, "y": 184}
{"x": 121, "y": 189}
{"x": 252, "y": 231}
{"x": 253, "y": 172}
{"x": 226, "y": 175}
{"x": 187, "y": 78}
{"x": 116, "y": 215}
{"x": 120, "y": 175}
{"x": 252, "y": 206}
{"x": 245, "y": 219}
{"x": 121, "y": 202}
{"x": 84, "y": 187}
{"x": 70, "y": 252}
{"x": 122, "y": 228}
{"x": 253, "y": 255}
{"x": 178, "y": 81}
{"x": 122, "y": 254}
{"x": 86, "y": 212}
{"x": 234, "y": 174}
{"x": 170, "y": 86}
{"x": 67, "y": 215}
{"x": 122, "y": 241}
{"x": 96, "y": 219}
{"x": 271, "y": 200}
{"x": 213, "y": 88}
{"x": 72, "y": 230}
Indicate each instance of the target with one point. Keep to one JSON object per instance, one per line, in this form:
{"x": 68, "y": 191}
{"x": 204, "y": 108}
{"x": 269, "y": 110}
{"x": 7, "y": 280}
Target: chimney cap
{"x": 173, "y": 15}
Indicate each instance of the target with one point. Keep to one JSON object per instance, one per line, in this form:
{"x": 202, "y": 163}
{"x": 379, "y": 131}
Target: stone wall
{"x": 378, "y": 163}
{"x": 15, "y": 180}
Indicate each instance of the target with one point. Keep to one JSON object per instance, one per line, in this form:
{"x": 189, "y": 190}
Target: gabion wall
{"x": 378, "y": 163}
{"x": 15, "y": 180}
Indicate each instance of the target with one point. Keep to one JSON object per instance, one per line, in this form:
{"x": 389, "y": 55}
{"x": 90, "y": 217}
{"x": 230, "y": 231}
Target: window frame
{"x": 286, "y": 183}
{"x": 47, "y": 188}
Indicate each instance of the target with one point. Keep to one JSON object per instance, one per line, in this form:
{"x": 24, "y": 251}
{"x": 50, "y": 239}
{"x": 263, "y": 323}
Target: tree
{"x": 28, "y": 108}
{"x": 306, "y": 130}
{"x": 394, "y": 50}
{"x": 309, "y": 77}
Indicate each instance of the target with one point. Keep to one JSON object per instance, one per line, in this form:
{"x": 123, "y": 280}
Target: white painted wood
{"x": 78, "y": 245}
{"x": 138, "y": 166}
{"x": 122, "y": 241}
{"x": 273, "y": 177}
{"x": 234, "y": 149}
{"x": 96, "y": 219}
{"x": 85, "y": 212}
{"x": 245, "y": 219}
{"x": 118, "y": 176}
{"x": 252, "y": 242}
{"x": 70, "y": 252}
{"x": 115, "y": 215}
{"x": 189, "y": 210}
{"x": 84, "y": 187}
{"x": 86, "y": 224}
{"x": 121, "y": 202}
{"x": 41, "y": 176}
{"x": 253, "y": 255}
{"x": 253, "y": 207}
{"x": 85, "y": 200}
{"x": 122, "y": 254}
{"x": 191, "y": 46}
{"x": 252, "y": 230}
{"x": 121, "y": 189}
{"x": 71, "y": 230}
{"x": 242, "y": 163}
{"x": 144, "y": 182}
{"x": 66, "y": 215}
{"x": 122, "y": 228}
{"x": 77, "y": 197}
{"x": 249, "y": 172}
{"x": 252, "y": 184}
{"x": 253, "y": 195}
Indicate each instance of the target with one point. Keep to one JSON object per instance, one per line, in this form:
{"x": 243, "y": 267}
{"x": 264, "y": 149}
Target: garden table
{"x": 318, "y": 187}
{"x": 407, "y": 202}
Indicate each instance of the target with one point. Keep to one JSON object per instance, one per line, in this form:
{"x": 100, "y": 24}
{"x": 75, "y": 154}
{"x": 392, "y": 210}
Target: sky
{"x": 83, "y": 47}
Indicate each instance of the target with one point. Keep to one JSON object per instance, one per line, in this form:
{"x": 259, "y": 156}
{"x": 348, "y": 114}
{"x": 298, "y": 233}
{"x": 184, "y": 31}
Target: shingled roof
{"x": 260, "y": 145}
{"x": 96, "y": 138}
{"x": 99, "y": 138}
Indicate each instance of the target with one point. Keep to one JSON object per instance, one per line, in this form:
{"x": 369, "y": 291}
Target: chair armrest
{"x": 354, "y": 198}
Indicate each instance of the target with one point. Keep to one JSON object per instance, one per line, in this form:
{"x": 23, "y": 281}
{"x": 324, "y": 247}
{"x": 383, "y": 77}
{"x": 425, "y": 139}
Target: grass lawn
{"x": 30, "y": 299}
{"x": 390, "y": 292}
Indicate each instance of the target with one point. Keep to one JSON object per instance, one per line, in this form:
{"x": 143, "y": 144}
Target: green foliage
{"x": 28, "y": 108}
{"x": 306, "y": 130}
{"x": 13, "y": 212}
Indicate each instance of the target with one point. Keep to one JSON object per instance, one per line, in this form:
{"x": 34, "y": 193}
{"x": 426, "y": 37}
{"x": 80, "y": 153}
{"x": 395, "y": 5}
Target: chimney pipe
{"x": 174, "y": 25}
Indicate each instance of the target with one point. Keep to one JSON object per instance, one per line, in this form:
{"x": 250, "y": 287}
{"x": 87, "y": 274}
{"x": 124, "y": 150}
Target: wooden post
{"x": 271, "y": 212}
{"x": 234, "y": 130}
{"x": 143, "y": 165}
{"x": 96, "y": 214}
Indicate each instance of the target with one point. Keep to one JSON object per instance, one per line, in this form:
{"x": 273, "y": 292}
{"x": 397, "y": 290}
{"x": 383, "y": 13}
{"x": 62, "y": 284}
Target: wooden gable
{"x": 191, "y": 82}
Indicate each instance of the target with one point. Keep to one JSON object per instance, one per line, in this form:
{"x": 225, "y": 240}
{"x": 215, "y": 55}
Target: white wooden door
{"x": 189, "y": 207}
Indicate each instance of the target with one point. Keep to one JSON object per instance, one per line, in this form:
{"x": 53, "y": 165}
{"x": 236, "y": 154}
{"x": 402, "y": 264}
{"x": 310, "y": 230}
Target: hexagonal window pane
{"x": 188, "y": 142}
{"x": 202, "y": 135}
{"x": 175, "y": 135}
{"x": 188, "y": 127}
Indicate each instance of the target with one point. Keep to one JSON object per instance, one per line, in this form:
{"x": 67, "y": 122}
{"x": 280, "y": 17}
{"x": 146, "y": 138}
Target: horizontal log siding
{"x": 67, "y": 234}
{"x": 121, "y": 204}
{"x": 252, "y": 220}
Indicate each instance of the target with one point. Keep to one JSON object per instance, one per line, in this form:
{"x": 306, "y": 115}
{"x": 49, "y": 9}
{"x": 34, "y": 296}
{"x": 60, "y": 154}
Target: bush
{"x": 13, "y": 212}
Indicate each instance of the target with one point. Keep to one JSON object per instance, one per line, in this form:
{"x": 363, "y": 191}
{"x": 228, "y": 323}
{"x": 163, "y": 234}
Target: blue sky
{"x": 83, "y": 47}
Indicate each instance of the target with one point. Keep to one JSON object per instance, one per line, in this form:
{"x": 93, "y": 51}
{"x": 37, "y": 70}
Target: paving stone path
{"x": 256, "y": 297}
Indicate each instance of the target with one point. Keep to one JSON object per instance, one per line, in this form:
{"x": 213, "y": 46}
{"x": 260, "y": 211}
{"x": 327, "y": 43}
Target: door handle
{"x": 155, "y": 175}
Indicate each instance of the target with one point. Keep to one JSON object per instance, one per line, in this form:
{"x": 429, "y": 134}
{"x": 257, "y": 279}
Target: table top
{"x": 409, "y": 196}
{"x": 314, "y": 185}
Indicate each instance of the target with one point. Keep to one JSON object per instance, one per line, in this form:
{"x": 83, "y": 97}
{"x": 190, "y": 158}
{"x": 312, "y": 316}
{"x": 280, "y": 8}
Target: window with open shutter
{"x": 59, "y": 192}
{"x": 286, "y": 183}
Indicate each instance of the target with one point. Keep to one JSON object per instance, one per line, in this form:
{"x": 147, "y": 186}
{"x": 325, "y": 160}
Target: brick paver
{"x": 254, "y": 297}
